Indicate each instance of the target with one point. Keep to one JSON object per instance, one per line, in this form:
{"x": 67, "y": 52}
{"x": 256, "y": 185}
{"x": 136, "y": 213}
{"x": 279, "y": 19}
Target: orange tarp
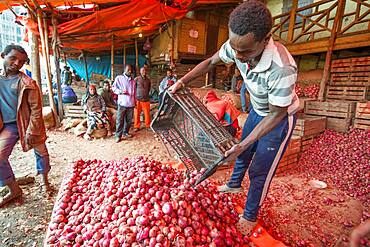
{"x": 133, "y": 14}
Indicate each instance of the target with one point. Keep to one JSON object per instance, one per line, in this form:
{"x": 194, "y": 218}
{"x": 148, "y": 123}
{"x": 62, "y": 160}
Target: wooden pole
{"x": 44, "y": 43}
{"x": 124, "y": 56}
{"x": 112, "y": 59}
{"x": 172, "y": 51}
{"x": 35, "y": 59}
{"x": 329, "y": 53}
{"x": 86, "y": 71}
{"x": 292, "y": 20}
{"x": 136, "y": 57}
{"x": 57, "y": 65}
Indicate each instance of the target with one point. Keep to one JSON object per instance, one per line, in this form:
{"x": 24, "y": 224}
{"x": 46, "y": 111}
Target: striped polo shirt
{"x": 272, "y": 81}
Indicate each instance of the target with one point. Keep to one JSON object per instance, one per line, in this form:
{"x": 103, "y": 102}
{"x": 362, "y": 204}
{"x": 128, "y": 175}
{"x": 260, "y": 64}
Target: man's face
{"x": 14, "y": 61}
{"x": 237, "y": 72}
{"x": 169, "y": 74}
{"x": 106, "y": 86}
{"x": 128, "y": 70}
{"x": 246, "y": 47}
{"x": 143, "y": 71}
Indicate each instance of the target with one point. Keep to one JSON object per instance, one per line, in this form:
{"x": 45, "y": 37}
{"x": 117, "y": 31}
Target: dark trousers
{"x": 261, "y": 160}
{"x": 124, "y": 120}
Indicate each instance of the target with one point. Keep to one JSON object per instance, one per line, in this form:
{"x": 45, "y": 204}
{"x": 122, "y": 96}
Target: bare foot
{"x": 245, "y": 226}
{"x": 13, "y": 194}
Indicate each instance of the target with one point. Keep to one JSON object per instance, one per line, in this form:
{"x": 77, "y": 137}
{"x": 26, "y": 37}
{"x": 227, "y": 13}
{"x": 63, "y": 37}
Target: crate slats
{"x": 195, "y": 135}
{"x": 289, "y": 160}
{"x": 339, "y": 113}
{"x": 74, "y": 111}
{"x": 362, "y": 116}
{"x": 351, "y": 72}
{"x": 309, "y": 125}
{"x": 357, "y": 93}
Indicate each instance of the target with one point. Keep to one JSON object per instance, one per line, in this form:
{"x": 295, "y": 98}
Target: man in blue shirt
{"x": 168, "y": 81}
{"x": 20, "y": 119}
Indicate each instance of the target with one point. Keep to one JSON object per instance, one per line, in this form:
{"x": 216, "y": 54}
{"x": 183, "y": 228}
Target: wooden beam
{"x": 124, "y": 56}
{"x": 136, "y": 57}
{"x": 112, "y": 59}
{"x": 57, "y": 65}
{"x": 35, "y": 59}
{"x": 293, "y": 12}
{"x": 44, "y": 43}
{"x": 86, "y": 71}
{"x": 335, "y": 30}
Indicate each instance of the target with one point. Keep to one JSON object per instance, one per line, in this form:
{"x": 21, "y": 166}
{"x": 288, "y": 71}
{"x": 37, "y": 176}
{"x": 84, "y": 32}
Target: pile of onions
{"x": 140, "y": 202}
{"x": 341, "y": 160}
{"x": 311, "y": 91}
{"x": 299, "y": 90}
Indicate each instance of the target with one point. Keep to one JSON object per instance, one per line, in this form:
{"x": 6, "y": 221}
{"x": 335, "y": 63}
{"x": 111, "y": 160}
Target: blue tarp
{"x": 101, "y": 66}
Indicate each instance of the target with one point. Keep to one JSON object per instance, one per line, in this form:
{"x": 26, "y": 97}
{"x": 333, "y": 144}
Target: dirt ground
{"x": 24, "y": 222}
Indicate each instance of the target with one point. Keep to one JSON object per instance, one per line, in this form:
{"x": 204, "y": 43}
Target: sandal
{"x": 245, "y": 226}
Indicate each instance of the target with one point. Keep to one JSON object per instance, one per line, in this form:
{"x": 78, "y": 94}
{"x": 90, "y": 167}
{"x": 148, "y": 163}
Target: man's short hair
{"x": 170, "y": 70}
{"x": 18, "y": 48}
{"x": 251, "y": 17}
{"x": 106, "y": 82}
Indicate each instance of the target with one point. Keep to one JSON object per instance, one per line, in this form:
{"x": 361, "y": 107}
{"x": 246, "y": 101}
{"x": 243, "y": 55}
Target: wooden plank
{"x": 362, "y": 124}
{"x": 309, "y": 125}
{"x": 339, "y": 125}
{"x": 74, "y": 115}
{"x": 363, "y": 110}
{"x": 356, "y": 93}
{"x": 338, "y": 109}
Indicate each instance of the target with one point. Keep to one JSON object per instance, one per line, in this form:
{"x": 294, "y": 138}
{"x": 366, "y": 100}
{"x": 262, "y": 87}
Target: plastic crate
{"x": 186, "y": 125}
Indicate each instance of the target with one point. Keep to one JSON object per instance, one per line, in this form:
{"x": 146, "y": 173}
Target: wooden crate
{"x": 192, "y": 37}
{"x": 339, "y": 114}
{"x": 357, "y": 93}
{"x": 362, "y": 116}
{"x": 73, "y": 111}
{"x": 307, "y": 142}
{"x": 351, "y": 71}
{"x": 289, "y": 160}
{"x": 309, "y": 125}
{"x": 302, "y": 102}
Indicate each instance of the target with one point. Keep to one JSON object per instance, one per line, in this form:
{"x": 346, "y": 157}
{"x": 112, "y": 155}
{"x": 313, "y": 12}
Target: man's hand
{"x": 30, "y": 139}
{"x": 178, "y": 85}
{"x": 234, "y": 152}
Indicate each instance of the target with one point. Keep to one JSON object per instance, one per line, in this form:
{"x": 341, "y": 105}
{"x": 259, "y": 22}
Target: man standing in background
{"x": 124, "y": 87}
{"x": 142, "y": 99}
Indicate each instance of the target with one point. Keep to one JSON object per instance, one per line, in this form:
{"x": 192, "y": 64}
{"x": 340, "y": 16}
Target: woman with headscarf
{"x": 224, "y": 112}
{"x": 95, "y": 108}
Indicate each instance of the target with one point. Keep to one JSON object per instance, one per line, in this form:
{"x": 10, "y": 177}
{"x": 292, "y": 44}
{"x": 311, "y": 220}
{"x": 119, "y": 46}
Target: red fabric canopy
{"x": 123, "y": 21}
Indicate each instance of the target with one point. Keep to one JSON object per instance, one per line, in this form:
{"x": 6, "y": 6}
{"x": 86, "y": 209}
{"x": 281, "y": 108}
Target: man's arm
{"x": 267, "y": 124}
{"x": 201, "y": 69}
{"x": 116, "y": 87}
{"x": 35, "y": 126}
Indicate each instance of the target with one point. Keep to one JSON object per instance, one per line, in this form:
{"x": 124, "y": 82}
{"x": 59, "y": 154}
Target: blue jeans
{"x": 8, "y": 138}
{"x": 262, "y": 159}
{"x": 124, "y": 119}
{"x": 243, "y": 98}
